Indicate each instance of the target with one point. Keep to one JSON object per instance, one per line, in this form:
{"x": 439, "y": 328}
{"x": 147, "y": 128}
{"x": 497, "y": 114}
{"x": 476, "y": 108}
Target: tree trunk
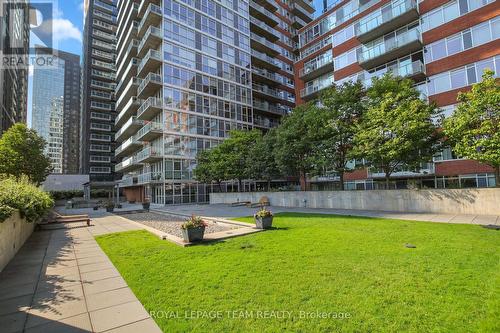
{"x": 497, "y": 176}
{"x": 303, "y": 181}
{"x": 342, "y": 187}
{"x": 269, "y": 185}
{"x": 387, "y": 180}
{"x": 240, "y": 185}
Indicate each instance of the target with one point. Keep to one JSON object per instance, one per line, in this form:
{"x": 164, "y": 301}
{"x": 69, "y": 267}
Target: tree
{"x": 22, "y": 153}
{"x": 235, "y": 151}
{"x": 295, "y": 142}
{"x": 261, "y": 163}
{"x": 210, "y": 167}
{"x": 228, "y": 160}
{"x": 474, "y": 128}
{"x": 343, "y": 107}
{"x": 398, "y": 128}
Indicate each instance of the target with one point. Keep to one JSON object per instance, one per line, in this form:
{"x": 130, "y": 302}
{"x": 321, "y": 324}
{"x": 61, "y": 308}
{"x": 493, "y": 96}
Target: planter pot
{"x": 110, "y": 210}
{"x": 131, "y": 202}
{"x": 263, "y": 222}
{"x": 145, "y": 205}
{"x": 193, "y": 235}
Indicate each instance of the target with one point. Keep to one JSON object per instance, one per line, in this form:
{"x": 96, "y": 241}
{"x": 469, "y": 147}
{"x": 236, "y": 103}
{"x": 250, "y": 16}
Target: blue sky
{"x": 68, "y": 30}
{"x": 70, "y": 15}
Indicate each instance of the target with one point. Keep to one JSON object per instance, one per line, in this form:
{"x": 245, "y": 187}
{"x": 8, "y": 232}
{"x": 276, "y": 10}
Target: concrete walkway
{"x": 61, "y": 281}
{"x": 226, "y": 211}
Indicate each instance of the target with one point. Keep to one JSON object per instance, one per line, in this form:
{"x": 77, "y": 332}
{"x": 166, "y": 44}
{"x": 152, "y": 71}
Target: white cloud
{"x": 64, "y": 29}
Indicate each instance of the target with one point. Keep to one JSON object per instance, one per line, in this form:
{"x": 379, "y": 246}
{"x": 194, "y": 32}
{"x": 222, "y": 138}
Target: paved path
{"x": 226, "y": 211}
{"x": 61, "y": 281}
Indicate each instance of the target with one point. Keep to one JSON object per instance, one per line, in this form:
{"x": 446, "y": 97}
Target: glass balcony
{"x": 150, "y": 84}
{"x": 128, "y": 129}
{"x": 148, "y": 155}
{"x": 265, "y": 76}
{"x": 311, "y": 91}
{"x": 299, "y": 11}
{"x": 144, "y": 4}
{"x": 387, "y": 19}
{"x": 270, "y": 94}
{"x": 150, "y": 131}
{"x": 128, "y": 146}
{"x": 127, "y": 181}
{"x": 127, "y": 111}
{"x": 308, "y": 5}
{"x": 414, "y": 70}
{"x": 150, "y": 177}
{"x": 152, "y": 16}
{"x": 150, "y": 63}
{"x": 150, "y": 108}
{"x": 319, "y": 67}
{"x": 128, "y": 164}
{"x": 390, "y": 49}
{"x": 298, "y": 23}
{"x": 268, "y": 107}
{"x": 127, "y": 89}
{"x": 263, "y": 60}
{"x": 263, "y": 14}
{"x": 151, "y": 40}
{"x": 263, "y": 29}
{"x": 263, "y": 45}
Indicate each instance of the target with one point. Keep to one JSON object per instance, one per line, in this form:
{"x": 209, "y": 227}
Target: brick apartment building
{"x": 443, "y": 45}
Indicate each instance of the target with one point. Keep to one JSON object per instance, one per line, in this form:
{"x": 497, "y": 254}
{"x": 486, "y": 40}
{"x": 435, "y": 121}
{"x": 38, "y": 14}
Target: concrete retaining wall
{"x": 460, "y": 201}
{"x": 13, "y": 233}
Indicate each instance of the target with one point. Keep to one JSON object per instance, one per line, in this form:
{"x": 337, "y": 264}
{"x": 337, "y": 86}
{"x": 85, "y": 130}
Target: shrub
{"x": 263, "y": 213}
{"x": 194, "y": 222}
{"x": 66, "y": 195}
{"x": 18, "y": 193}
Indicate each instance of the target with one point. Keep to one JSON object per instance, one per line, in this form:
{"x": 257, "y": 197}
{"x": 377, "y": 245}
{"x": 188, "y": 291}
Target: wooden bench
{"x": 263, "y": 202}
{"x": 56, "y": 218}
{"x": 241, "y": 203}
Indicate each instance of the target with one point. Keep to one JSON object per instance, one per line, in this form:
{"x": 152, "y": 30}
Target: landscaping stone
{"x": 172, "y": 224}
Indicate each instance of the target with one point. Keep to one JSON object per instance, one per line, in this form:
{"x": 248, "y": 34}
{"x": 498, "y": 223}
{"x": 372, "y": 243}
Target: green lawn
{"x": 356, "y": 267}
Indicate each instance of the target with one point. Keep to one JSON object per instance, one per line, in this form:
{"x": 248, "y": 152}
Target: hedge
{"x": 66, "y": 195}
{"x": 19, "y": 194}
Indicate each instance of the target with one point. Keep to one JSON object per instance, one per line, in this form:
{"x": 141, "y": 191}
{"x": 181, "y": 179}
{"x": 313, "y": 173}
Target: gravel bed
{"x": 171, "y": 224}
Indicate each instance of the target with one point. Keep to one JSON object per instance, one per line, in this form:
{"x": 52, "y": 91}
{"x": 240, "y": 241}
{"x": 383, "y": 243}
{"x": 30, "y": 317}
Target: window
{"x": 458, "y": 79}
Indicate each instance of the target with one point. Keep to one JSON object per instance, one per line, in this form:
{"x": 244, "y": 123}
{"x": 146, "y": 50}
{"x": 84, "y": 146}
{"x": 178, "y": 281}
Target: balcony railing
{"x": 147, "y": 109}
{"x": 149, "y": 131}
{"x": 147, "y": 154}
{"x": 312, "y": 89}
{"x": 384, "y": 17}
{"x": 310, "y": 67}
{"x": 151, "y": 78}
{"x": 409, "y": 70}
{"x": 150, "y": 33}
{"x": 151, "y": 55}
{"x": 387, "y": 46}
{"x": 152, "y": 9}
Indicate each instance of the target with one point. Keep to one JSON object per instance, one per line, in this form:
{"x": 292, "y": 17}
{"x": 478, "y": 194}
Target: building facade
{"x": 56, "y": 108}
{"x": 444, "y": 46}
{"x": 98, "y": 97}
{"x": 14, "y": 40}
{"x": 188, "y": 72}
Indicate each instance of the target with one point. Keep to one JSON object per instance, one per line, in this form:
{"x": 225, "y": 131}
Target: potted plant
{"x": 193, "y": 229}
{"x": 263, "y": 219}
{"x": 146, "y": 204}
{"x": 110, "y": 206}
